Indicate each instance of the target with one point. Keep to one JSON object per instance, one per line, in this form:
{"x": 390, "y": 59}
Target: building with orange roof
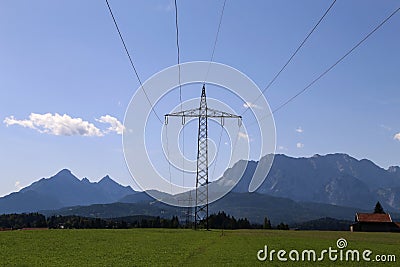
{"x": 374, "y": 222}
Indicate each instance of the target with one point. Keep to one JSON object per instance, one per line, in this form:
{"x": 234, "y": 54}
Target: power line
{"x": 178, "y": 51}
{"x": 179, "y": 69}
{"x": 236, "y": 140}
{"x": 169, "y": 162}
{"x": 337, "y": 62}
{"x": 219, "y": 27}
{"x": 217, "y": 152}
{"x": 131, "y": 61}
{"x": 180, "y": 91}
{"x": 334, "y": 64}
{"x": 208, "y": 70}
{"x": 215, "y": 40}
{"x": 292, "y": 56}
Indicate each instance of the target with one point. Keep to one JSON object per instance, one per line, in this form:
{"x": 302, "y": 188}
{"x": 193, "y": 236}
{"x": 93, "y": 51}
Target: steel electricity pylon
{"x": 202, "y": 113}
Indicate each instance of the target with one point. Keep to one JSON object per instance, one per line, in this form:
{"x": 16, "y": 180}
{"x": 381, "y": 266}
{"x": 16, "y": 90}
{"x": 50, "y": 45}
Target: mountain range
{"x": 336, "y": 179}
{"x": 63, "y": 190}
{"x": 295, "y": 190}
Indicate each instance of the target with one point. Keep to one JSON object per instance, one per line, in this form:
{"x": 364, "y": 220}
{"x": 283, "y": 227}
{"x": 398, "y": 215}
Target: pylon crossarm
{"x": 213, "y": 113}
{"x": 185, "y": 113}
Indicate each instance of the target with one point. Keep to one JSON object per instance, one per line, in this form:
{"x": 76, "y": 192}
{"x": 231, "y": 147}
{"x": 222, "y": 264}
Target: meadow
{"x": 181, "y": 247}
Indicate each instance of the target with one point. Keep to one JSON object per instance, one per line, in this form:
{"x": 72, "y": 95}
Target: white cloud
{"x": 282, "y": 148}
{"x": 251, "y": 105}
{"x": 166, "y": 7}
{"x": 299, "y": 145}
{"x": 56, "y": 124}
{"x": 66, "y": 125}
{"x": 24, "y": 123}
{"x": 243, "y": 136}
{"x": 115, "y": 124}
{"x": 387, "y": 128}
{"x": 299, "y": 130}
{"x": 397, "y": 136}
{"x": 18, "y": 185}
{"x": 170, "y": 6}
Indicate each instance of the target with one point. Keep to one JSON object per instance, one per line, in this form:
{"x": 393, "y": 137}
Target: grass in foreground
{"x": 177, "y": 247}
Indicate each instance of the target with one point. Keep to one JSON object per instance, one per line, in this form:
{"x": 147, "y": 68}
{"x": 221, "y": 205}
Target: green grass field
{"x": 164, "y": 247}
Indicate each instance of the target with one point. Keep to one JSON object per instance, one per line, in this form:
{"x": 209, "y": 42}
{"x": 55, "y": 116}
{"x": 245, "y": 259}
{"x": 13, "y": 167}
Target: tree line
{"x": 18, "y": 221}
{"x": 36, "y": 220}
{"x": 220, "y": 220}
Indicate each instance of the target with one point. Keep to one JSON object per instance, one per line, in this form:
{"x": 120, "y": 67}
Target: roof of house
{"x": 373, "y": 217}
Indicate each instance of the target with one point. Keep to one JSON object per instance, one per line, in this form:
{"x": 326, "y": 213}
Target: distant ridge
{"x": 61, "y": 190}
{"x": 295, "y": 190}
{"x": 337, "y": 179}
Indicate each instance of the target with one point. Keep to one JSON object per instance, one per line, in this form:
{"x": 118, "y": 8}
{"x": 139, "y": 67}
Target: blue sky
{"x": 65, "y": 57}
